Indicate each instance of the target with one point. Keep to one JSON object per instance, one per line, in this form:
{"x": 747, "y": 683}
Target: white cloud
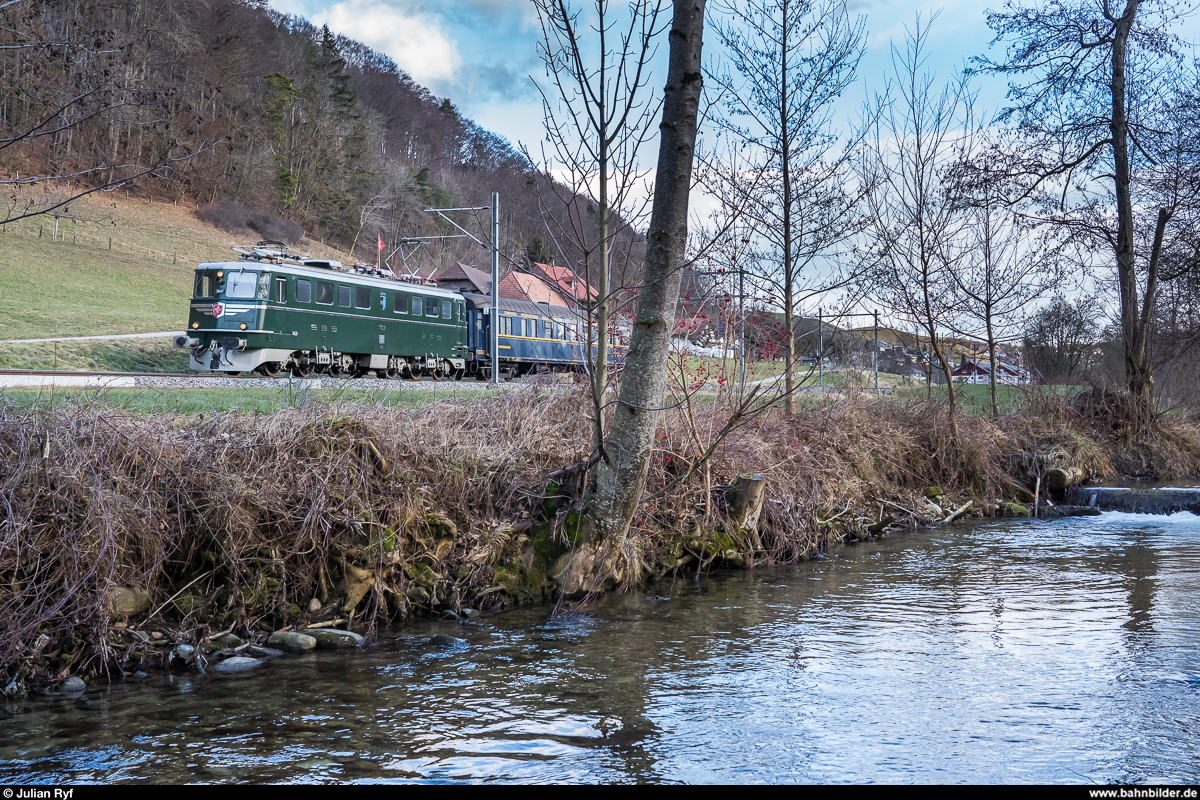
{"x": 412, "y": 39}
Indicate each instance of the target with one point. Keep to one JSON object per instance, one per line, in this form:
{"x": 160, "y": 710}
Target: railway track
{"x": 96, "y": 374}
{"x": 89, "y": 379}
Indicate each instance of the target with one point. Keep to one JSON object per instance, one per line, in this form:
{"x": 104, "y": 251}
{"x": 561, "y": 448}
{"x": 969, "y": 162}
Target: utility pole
{"x": 493, "y": 246}
{"x": 742, "y": 325}
{"x": 820, "y": 348}
{"x": 494, "y": 343}
{"x": 875, "y": 356}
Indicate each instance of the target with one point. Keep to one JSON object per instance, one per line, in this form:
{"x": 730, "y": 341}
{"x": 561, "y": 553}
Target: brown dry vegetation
{"x": 235, "y": 521}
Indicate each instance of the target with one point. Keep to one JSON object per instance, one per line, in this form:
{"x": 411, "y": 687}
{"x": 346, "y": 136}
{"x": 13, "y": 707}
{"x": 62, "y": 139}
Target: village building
{"x": 461, "y": 278}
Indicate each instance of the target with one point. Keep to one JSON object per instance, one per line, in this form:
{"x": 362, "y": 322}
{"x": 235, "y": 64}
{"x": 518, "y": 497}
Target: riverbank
{"x": 119, "y": 526}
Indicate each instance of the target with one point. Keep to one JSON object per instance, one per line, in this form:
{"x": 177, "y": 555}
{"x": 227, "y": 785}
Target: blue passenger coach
{"x": 534, "y": 337}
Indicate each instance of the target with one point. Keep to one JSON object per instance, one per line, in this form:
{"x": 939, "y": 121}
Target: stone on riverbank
{"x": 229, "y": 641}
{"x": 292, "y": 641}
{"x": 258, "y": 651}
{"x": 1055, "y": 512}
{"x": 181, "y": 655}
{"x": 73, "y": 685}
{"x": 444, "y": 640}
{"x": 1016, "y": 510}
{"x": 334, "y": 639}
{"x": 126, "y": 602}
{"x": 238, "y": 664}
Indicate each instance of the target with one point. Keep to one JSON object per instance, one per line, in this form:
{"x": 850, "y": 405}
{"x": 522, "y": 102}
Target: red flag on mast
{"x": 381, "y": 244}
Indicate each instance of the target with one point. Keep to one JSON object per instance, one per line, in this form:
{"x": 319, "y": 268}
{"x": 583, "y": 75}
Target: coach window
{"x": 362, "y": 297}
{"x": 344, "y": 296}
{"x": 303, "y": 291}
{"x": 431, "y": 306}
{"x": 281, "y": 290}
{"x": 325, "y": 294}
{"x": 416, "y": 306}
{"x": 447, "y": 309}
{"x": 401, "y": 306}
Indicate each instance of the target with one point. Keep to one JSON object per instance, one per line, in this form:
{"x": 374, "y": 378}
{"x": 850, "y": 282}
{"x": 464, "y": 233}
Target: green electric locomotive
{"x": 274, "y": 310}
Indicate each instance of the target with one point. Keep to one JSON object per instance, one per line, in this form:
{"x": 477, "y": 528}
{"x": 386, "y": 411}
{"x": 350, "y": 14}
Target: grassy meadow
{"x": 77, "y": 286}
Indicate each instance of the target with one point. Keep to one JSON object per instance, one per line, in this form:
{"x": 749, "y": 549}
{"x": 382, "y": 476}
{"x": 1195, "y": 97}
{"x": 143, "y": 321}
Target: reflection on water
{"x": 1061, "y": 651}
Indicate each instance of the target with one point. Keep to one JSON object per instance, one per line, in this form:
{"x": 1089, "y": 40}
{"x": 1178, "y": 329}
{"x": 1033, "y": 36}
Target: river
{"x": 1048, "y": 652}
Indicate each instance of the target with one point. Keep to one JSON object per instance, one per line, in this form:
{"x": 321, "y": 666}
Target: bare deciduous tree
{"x": 598, "y": 113}
{"x": 625, "y": 457}
{"x": 791, "y": 60}
{"x": 1009, "y": 264}
{"x": 1092, "y": 102}
{"x": 915, "y": 211}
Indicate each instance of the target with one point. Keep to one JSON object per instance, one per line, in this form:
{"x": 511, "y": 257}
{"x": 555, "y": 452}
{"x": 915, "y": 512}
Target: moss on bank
{"x": 237, "y": 521}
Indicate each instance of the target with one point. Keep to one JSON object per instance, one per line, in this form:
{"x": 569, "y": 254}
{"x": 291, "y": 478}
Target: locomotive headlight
{"x": 195, "y": 324}
{"x": 242, "y": 326}
{"x": 220, "y": 273}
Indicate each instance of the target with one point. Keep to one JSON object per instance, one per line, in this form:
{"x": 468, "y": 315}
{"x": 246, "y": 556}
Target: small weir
{"x": 1137, "y": 500}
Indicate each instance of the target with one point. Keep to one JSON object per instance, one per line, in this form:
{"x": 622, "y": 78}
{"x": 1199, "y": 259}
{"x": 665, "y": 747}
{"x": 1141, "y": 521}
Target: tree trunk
{"x": 1133, "y": 324}
{"x": 785, "y": 163}
{"x": 991, "y": 337}
{"x": 621, "y": 471}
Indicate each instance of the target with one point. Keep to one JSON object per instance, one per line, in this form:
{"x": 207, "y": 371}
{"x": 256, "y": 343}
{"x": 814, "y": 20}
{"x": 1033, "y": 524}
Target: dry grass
{"x": 236, "y": 521}
{"x": 77, "y": 286}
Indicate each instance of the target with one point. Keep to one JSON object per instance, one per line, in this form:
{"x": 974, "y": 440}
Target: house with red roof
{"x": 565, "y": 282}
{"x": 523, "y": 286}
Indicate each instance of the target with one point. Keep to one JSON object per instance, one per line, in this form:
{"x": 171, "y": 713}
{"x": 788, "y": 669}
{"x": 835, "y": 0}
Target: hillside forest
{"x": 260, "y": 119}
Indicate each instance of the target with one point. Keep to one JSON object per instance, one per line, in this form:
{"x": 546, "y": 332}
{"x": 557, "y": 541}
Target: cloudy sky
{"x": 481, "y": 53}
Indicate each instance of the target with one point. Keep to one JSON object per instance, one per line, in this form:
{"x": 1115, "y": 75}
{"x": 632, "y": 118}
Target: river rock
{"x": 470, "y": 613}
{"x": 1054, "y": 512}
{"x": 444, "y": 640}
{"x": 180, "y": 654}
{"x": 126, "y": 602}
{"x": 1016, "y": 510}
{"x": 292, "y": 641}
{"x": 229, "y": 641}
{"x": 73, "y": 685}
{"x": 334, "y": 639}
{"x": 258, "y": 651}
{"x": 238, "y": 664}
{"x": 314, "y": 606}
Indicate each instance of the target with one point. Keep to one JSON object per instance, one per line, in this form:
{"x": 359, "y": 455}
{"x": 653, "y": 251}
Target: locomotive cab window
{"x": 362, "y": 297}
{"x": 416, "y": 306}
{"x": 325, "y": 294}
{"x": 447, "y": 309}
{"x": 241, "y": 285}
{"x": 303, "y": 291}
{"x": 281, "y": 290}
{"x": 205, "y": 285}
{"x": 344, "y": 296}
{"x": 401, "y": 306}
{"x": 431, "y": 306}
